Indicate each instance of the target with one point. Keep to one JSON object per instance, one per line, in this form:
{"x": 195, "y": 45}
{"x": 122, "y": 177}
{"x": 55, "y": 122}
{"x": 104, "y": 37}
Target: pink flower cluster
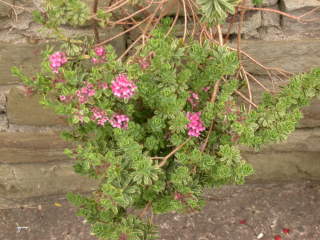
{"x": 144, "y": 63}
{"x": 119, "y": 121}
{"x": 122, "y": 87}
{"x": 56, "y": 60}
{"x": 206, "y": 89}
{"x": 85, "y": 92}
{"x": 99, "y": 116}
{"x": 101, "y": 55}
{"x": 195, "y": 125}
{"x": 80, "y": 116}
{"x": 193, "y": 99}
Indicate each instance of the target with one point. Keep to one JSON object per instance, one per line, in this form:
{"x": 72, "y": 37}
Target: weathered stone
{"x": 26, "y": 110}
{"x": 270, "y": 19}
{"x": 311, "y": 115}
{"x": 3, "y": 123}
{"x": 25, "y": 56}
{"x": 72, "y": 32}
{"x": 293, "y": 29}
{"x": 170, "y": 8}
{"x": 292, "y": 56}
{"x": 252, "y": 21}
{"x": 19, "y": 181}
{"x": 265, "y": 3}
{"x": 290, "y": 5}
{"x": 4, "y": 9}
{"x": 284, "y": 166}
{"x": 24, "y": 147}
{"x": 3, "y": 102}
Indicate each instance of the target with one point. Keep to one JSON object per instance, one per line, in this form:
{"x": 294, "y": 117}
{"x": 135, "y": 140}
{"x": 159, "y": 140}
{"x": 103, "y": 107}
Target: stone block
{"x": 21, "y": 181}
{"x": 311, "y": 115}
{"x": 170, "y": 8}
{"x": 26, "y": 53}
{"x": 265, "y": 3}
{"x": 284, "y": 166}
{"x": 26, "y": 110}
{"x": 293, "y": 56}
{"x": 252, "y": 21}
{"x": 32, "y": 147}
{"x": 291, "y": 5}
{"x": 3, "y": 103}
{"x": 270, "y": 19}
{"x": 293, "y": 29}
{"x": 25, "y": 56}
{"x": 4, "y": 9}
{"x": 3, "y": 123}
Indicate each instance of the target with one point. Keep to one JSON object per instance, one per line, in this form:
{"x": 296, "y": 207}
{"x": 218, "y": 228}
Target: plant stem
{"x": 165, "y": 159}
{"x": 95, "y": 27}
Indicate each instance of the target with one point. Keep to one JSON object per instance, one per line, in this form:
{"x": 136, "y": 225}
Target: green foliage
{"x": 60, "y": 12}
{"x": 153, "y": 163}
{"x": 278, "y": 115}
{"x": 257, "y": 2}
{"x": 216, "y": 11}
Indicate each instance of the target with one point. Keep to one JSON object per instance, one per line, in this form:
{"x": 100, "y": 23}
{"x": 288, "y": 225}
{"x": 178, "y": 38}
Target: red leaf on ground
{"x": 243, "y": 221}
{"x": 277, "y": 237}
{"x": 286, "y": 230}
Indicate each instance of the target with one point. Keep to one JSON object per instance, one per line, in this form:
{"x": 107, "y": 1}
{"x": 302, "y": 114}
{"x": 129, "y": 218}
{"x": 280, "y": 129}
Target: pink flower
{"x": 178, "y": 196}
{"x": 58, "y": 80}
{"x": 101, "y": 55}
{"x": 100, "y": 51}
{"x": 90, "y": 90}
{"x": 63, "y": 98}
{"x": 119, "y": 121}
{"x": 277, "y": 237}
{"x": 84, "y": 93}
{"x": 56, "y": 60}
{"x": 144, "y": 64}
{"x": 122, "y": 87}
{"x": 94, "y": 60}
{"x": 193, "y": 99}
{"x": 99, "y": 116}
{"x": 195, "y": 124}
{"x": 206, "y": 89}
{"x": 80, "y": 116}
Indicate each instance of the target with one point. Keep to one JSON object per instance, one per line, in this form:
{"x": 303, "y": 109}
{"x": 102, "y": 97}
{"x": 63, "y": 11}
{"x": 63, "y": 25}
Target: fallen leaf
{"x": 277, "y": 237}
{"x": 286, "y": 230}
{"x": 243, "y": 221}
{"x": 57, "y": 204}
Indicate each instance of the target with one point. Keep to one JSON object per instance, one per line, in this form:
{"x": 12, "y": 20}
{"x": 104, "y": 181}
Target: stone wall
{"x": 32, "y": 162}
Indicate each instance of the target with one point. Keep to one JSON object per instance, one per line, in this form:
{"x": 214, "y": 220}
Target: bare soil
{"x": 247, "y": 212}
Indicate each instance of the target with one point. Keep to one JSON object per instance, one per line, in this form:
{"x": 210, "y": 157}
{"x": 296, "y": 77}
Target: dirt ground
{"x": 248, "y": 212}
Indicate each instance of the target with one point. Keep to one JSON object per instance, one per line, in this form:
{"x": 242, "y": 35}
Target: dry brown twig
{"x": 116, "y": 6}
{"x": 145, "y": 210}
{"x": 95, "y": 27}
{"x": 297, "y": 18}
{"x": 248, "y": 86}
{"x": 165, "y": 159}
